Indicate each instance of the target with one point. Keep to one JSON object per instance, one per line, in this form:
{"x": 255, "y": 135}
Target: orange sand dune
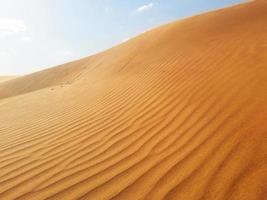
{"x": 6, "y": 78}
{"x": 179, "y": 112}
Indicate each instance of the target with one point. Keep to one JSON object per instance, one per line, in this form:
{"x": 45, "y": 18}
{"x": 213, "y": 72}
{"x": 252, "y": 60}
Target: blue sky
{"x": 37, "y": 34}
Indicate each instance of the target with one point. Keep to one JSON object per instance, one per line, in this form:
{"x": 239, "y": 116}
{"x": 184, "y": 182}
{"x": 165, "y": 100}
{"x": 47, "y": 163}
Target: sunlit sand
{"x": 179, "y": 112}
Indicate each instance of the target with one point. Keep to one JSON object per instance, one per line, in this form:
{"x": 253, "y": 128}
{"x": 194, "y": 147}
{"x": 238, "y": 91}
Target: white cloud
{"x": 64, "y": 53}
{"x": 145, "y": 7}
{"x": 11, "y": 26}
{"x": 7, "y": 53}
{"x": 3, "y": 54}
{"x": 26, "y": 39}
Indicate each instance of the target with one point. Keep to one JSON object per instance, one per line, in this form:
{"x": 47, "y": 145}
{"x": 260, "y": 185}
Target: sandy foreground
{"x": 179, "y": 112}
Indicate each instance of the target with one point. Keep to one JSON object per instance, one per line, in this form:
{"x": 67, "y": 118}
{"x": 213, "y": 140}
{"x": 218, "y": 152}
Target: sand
{"x": 6, "y": 78}
{"x": 178, "y": 112}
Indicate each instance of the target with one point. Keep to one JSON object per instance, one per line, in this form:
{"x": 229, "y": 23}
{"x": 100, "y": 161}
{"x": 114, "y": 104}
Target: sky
{"x": 38, "y": 34}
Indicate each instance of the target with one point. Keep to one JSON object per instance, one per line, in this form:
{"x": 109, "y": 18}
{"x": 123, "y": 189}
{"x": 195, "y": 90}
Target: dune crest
{"x": 176, "y": 113}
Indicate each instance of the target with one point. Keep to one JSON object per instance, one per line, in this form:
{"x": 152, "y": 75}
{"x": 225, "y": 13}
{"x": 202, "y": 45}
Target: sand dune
{"x": 6, "y": 78}
{"x": 176, "y": 113}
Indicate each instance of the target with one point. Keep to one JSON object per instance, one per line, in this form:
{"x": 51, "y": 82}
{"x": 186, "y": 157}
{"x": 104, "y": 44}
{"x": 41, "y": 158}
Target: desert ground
{"x": 179, "y": 112}
{"x": 6, "y": 78}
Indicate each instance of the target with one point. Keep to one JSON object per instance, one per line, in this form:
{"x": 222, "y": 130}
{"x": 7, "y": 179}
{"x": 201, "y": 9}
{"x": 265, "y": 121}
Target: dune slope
{"x": 6, "y": 78}
{"x": 176, "y": 113}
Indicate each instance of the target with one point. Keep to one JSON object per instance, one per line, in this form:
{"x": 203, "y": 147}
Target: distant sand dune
{"x": 176, "y": 113}
{"x": 6, "y": 78}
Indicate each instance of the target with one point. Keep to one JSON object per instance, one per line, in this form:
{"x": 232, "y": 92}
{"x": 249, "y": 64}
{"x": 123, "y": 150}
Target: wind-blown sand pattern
{"x": 179, "y": 112}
